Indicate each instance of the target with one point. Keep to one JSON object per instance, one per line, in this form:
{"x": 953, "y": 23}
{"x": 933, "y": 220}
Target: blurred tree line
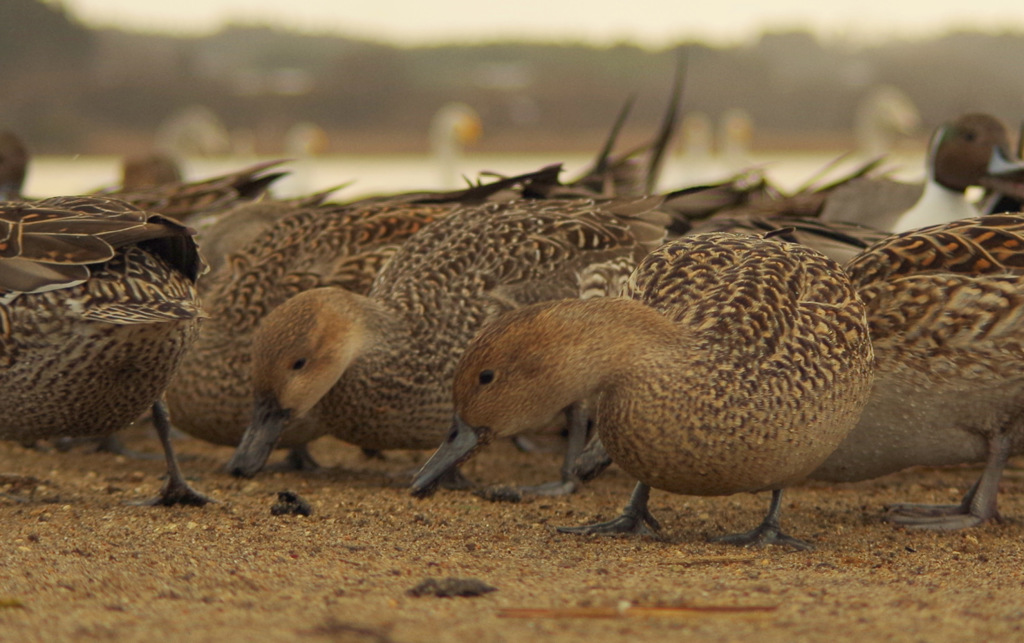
{"x": 68, "y": 88}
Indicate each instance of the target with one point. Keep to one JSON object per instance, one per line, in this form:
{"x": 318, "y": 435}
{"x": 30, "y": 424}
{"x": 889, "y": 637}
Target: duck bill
{"x": 462, "y": 440}
{"x": 1000, "y": 165}
{"x": 268, "y": 422}
{"x": 1004, "y": 180}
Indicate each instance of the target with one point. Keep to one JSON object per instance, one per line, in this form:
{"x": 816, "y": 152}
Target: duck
{"x": 731, "y": 363}
{"x": 98, "y": 304}
{"x": 945, "y": 306}
{"x": 328, "y": 244}
{"x": 227, "y": 232}
{"x": 375, "y": 369}
{"x": 210, "y": 396}
{"x": 972, "y": 150}
{"x": 13, "y": 166}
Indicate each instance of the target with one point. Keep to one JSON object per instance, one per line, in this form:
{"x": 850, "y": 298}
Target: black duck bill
{"x": 261, "y": 436}
{"x": 461, "y": 442}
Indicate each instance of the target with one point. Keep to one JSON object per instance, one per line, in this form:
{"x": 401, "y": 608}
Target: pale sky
{"x": 653, "y": 23}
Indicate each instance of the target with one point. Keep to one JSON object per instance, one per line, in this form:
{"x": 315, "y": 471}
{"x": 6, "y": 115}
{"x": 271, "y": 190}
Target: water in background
{"x": 367, "y": 175}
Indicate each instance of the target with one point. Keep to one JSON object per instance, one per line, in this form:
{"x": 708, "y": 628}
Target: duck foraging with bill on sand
{"x": 732, "y": 364}
{"x": 375, "y": 370}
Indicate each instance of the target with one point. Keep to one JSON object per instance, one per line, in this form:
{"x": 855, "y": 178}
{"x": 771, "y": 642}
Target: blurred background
{"x": 217, "y": 79}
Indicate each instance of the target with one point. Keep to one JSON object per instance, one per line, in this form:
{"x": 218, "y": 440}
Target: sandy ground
{"x": 78, "y": 562}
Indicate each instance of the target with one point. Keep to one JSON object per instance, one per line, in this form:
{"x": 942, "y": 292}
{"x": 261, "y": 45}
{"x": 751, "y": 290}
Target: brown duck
{"x": 97, "y": 306}
{"x": 733, "y": 364}
{"x": 376, "y": 369}
{"x": 945, "y": 307}
{"x": 336, "y": 245}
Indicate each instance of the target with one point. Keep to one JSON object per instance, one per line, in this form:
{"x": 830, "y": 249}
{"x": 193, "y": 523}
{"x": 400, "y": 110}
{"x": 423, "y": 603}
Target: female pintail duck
{"x": 338, "y": 245}
{"x": 13, "y": 165}
{"x": 973, "y": 150}
{"x": 210, "y": 396}
{"x": 945, "y": 307}
{"x": 376, "y": 370}
{"x": 733, "y": 364}
{"x": 97, "y": 306}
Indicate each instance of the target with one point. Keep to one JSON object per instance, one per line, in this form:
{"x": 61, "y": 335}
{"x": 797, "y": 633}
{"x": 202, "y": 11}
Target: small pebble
{"x": 449, "y": 587}
{"x": 289, "y": 502}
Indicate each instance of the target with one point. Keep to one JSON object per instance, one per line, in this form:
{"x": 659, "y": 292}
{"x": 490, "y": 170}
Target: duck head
{"x": 300, "y": 350}
{"x": 520, "y": 374}
{"x": 971, "y": 149}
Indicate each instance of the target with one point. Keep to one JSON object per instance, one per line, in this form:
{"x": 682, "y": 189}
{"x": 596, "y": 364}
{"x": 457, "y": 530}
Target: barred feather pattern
{"x": 946, "y": 314}
{"x": 331, "y": 245}
{"x": 775, "y": 353}
{"x": 90, "y": 355}
{"x": 448, "y": 280}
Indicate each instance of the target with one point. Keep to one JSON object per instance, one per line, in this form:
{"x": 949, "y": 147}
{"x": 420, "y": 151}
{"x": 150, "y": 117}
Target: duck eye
{"x": 486, "y": 377}
{"x": 970, "y": 136}
{"x": 299, "y": 364}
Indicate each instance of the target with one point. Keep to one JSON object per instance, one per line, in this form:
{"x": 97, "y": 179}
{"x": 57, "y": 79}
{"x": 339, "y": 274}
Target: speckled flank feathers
{"x": 97, "y": 306}
{"x": 778, "y": 362}
{"x": 946, "y": 313}
{"x": 330, "y": 245}
{"x": 427, "y": 303}
{"x": 737, "y": 364}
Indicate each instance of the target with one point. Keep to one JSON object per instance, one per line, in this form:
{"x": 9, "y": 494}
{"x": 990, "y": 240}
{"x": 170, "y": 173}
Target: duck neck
{"x": 607, "y": 339}
{"x": 371, "y": 323}
{"x": 937, "y": 204}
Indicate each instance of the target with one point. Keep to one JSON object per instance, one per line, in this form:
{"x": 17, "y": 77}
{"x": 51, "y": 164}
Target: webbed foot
{"x": 768, "y": 532}
{"x": 635, "y": 518}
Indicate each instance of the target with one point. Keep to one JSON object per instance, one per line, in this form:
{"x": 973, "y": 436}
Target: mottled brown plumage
{"x": 735, "y": 364}
{"x": 837, "y": 241}
{"x": 211, "y": 395}
{"x": 97, "y": 306}
{"x": 946, "y": 313}
{"x": 392, "y": 373}
{"x": 340, "y": 245}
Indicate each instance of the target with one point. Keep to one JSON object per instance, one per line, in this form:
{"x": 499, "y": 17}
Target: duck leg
{"x": 635, "y": 518}
{"x": 578, "y": 421}
{"x": 978, "y": 505}
{"x": 176, "y": 491}
{"x": 768, "y": 532}
{"x": 593, "y": 461}
{"x": 298, "y": 459}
